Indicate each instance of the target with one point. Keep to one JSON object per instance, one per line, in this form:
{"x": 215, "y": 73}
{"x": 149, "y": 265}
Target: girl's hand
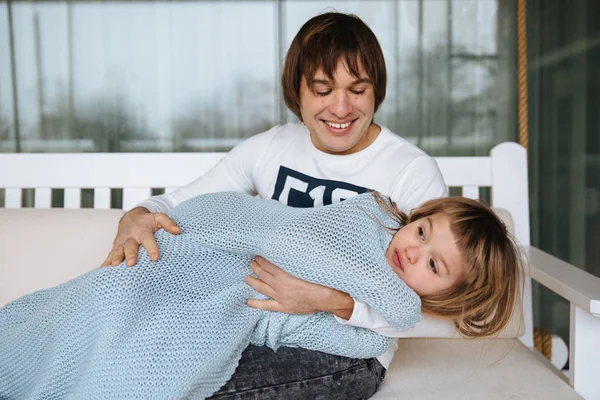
{"x": 292, "y": 295}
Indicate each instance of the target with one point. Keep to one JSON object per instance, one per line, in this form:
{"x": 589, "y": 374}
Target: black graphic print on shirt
{"x": 299, "y": 190}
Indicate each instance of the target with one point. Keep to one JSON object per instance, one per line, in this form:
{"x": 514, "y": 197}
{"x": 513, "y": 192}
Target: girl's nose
{"x": 412, "y": 254}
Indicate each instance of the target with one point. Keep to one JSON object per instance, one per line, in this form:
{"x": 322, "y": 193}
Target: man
{"x": 334, "y": 80}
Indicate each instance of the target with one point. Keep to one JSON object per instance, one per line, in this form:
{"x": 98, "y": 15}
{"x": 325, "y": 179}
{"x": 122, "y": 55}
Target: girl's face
{"x": 424, "y": 254}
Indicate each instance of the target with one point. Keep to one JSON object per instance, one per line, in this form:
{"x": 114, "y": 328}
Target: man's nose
{"x": 341, "y": 105}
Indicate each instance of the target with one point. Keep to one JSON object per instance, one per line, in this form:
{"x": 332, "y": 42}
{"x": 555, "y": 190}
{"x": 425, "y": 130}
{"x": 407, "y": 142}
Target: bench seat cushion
{"x": 41, "y": 248}
{"x": 459, "y": 369}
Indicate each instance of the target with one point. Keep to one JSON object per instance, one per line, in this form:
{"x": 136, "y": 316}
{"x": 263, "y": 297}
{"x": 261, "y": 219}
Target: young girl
{"x": 176, "y": 328}
{"x": 458, "y": 256}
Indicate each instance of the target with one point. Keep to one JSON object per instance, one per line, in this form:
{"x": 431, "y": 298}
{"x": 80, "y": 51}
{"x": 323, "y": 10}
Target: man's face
{"x": 338, "y": 112}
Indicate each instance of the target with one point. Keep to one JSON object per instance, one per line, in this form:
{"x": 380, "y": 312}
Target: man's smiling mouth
{"x": 338, "y": 126}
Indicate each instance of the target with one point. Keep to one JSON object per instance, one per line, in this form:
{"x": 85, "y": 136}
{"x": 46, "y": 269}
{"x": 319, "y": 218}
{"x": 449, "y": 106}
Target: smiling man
{"x": 338, "y": 110}
{"x": 334, "y": 80}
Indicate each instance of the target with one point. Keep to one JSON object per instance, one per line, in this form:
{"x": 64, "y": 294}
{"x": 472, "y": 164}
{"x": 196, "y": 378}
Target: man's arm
{"x": 233, "y": 173}
{"x": 137, "y": 227}
{"x": 292, "y": 295}
{"x": 421, "y": 181}
{"x": 365, "y": 316}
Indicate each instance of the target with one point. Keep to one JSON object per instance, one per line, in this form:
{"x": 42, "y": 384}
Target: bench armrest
{"x": 582, "y": 290}
{"x": 574, "y": 284}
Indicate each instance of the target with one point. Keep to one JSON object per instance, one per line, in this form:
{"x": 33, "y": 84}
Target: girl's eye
{"x": 358, "y": 91}
{"x": 421, "y": 233}
{"x": 324, "y": 93}
{"x": 432, "y": 266}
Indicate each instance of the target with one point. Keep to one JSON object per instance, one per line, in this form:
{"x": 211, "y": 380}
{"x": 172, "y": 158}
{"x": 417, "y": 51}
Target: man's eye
{"x": 421, "y": 233}
{"x": 432, "y": 266}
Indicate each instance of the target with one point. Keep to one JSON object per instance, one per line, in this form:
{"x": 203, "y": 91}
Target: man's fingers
{"x": 267, "y": 265}
{"x": 259, "y": 286}
{"x": 261, "y": 273}
{"x": 118, "y": 256}
{"x": 131, "y": 248}
{"x": 167, "y": 224}
{"x": 149, "y": 243}
{"x": 267, "y": 305}
{"x": 108, "y": 260}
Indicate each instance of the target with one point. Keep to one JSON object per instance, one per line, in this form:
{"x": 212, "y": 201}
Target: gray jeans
{"x": 299, "y": 374}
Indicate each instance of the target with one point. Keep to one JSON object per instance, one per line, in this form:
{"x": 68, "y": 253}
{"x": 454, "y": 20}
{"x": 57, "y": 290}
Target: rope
{"x": 542, "y": 340}
{"x": 522, "y": 72}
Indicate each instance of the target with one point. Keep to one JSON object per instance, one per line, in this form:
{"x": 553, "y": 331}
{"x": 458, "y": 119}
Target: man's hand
{"x": 137, "y": 228}
{"x": 292, "y": 295}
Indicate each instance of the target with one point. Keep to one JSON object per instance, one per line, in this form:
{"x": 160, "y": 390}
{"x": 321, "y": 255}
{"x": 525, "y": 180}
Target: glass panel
{"x": 112, "y": 76}
{"x": 564, "y": 141}
{"x": 164, "y": 76}
{"x": 7, "y": 111}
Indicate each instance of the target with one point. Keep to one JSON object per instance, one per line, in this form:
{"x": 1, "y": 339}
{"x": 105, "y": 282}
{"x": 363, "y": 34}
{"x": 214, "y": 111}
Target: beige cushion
{"x": 42, "y": 248}
{"x": 459, "y": 369}
{"x": 516, "y": 325}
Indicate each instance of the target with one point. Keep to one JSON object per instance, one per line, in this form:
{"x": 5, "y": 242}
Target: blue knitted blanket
{"x": 176, "y": 328}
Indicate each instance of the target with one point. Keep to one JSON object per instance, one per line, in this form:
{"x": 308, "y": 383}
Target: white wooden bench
{"x": 504, "y": 172}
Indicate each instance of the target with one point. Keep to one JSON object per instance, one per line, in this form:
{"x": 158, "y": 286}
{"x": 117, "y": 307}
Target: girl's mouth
{"x": 398, "y": 260}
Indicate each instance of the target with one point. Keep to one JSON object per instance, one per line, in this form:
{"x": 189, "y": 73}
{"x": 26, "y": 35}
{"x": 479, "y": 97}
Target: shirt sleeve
{"x": 234, "y": 172}
{"x": 367, "y": 317}
{"x": 420, "y": 181}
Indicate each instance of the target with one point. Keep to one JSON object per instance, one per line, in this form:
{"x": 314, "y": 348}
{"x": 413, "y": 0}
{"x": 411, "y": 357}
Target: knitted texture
{"x": 176, "y": 328}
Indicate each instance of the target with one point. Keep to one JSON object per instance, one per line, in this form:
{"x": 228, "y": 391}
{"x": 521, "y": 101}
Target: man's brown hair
{"x": 323, "y": 42}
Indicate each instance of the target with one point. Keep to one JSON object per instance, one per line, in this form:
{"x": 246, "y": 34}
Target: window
{"x": 202, "y": 76}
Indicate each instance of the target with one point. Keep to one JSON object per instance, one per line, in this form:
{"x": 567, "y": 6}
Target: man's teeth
{"x": 338, "y": 126}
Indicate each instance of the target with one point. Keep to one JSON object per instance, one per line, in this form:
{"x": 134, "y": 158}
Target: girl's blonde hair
{"x": 483, "y": 303}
